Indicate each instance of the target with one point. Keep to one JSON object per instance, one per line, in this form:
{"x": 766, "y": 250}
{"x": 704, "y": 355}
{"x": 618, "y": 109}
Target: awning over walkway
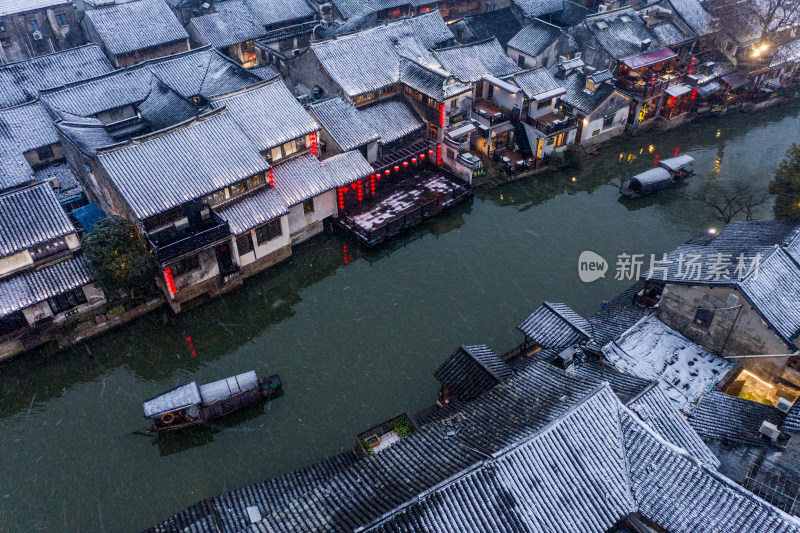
{"x": 463, "y": 130}
{"x": 734, "y": 79}
{"x": 502, "y": 129}
{"x": 678, "y": 90}
{"x": 507, "y": 87}
{"x": 649, "y": 58}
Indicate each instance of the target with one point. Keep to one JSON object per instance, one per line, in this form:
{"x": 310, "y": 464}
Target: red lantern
{"x": 438, "y": 154}
{"x": 430, "y": 152}
{"x": 676, "y": 151}
{"x": 396, "y": 168}
{"x": 656, "y": 162}
{"x": 422, "y": 156}
{"x": 388, "y": 171}
{"x": 414, "y": 160}
{"x": 691, "y": 66}
{"x": 169, "y": 281}
{"x": 694, "y": 93}
{"x": 405, "y": 163}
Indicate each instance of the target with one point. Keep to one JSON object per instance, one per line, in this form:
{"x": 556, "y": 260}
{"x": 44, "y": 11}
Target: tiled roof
{"x": 163, "y": 107}
{"x": 265, "y": 72}
{"x": 68, "y": 187}
{"x": 657, "y": 411}
{"x": 537, "y": 82}
{"x": 430, "y": 81}
{"x": 720, "y": 416}
{"x": 346, "y": 168}
{"x": 682, "y": 495}
{"x": 391, "y": 119}
{"x": 471, "y": 371}
{"x": 534, "y": 38}
{"x": 22, "y": 128}
{"x": 537, "y": 8}
{"x": 31, "y": 216}
{"x": 10, "y": 7}
{"x": 343, "y": 123}
{"x": 270, "y": 12}
{"x": 270, "y": 115}
{"x": 204, "y": 71}
{"x": 471, "y": 62}
{"x": 539, "y": 483}
{"x": 135, "y": 25}
{"x": 684, "y": 370}
{"x": 87, "y": 134}
{"x": 615, "y": 317}
{"x": 21, "y": 82}
{"x": 792, "y": 420}
{"x": 577, "y": 97}
{"x": 554, "y": 325}
{"x": 357, "y": 72}
{"x": 253, "y": 210}
{"x": 572, "y": 14}
{"x": 786, "y": 53}
{"x": 199, "y": 157}
{"x": 500, "y": 23}
{"x": 29, "y": 288}
{"x": 625, "y": 386}
{"x": 775, "y": 293}
{"x": 621, "y": 33}
{"x": 233, "y": 23}
{"x": 694, "y": 16}
{"x": 301, "y": 179}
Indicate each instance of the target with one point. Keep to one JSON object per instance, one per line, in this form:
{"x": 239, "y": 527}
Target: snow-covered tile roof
{"x": 537, "y": 8}
{"x": 270, "y": 115}
{"x": 301, "y": 179}
{"x": 500, "y": 23}
{"x": 470, "y": 62}
{"x": 21, "y": 82}
{"x": 201, "y": 72}
{"x": 534, "y": 38}
{"x": 253, "y": 210}
{"x": 343, "y": 123}
{"x": 67, "y": 186}
{"x": 265, "y": 72}
{"x": 29, "y": 288}
{"x": 200, "y": 157}
{"x": 657, "y": 411}
{"x": 369, "y": 60}
{"x": 163, "y": 107}
{"x": 269, "y": 12}
{"x": 721, "y": 416}
{"x": 693, "y": 14}
{"x": 576, "y": 95}
{"x": 31, "y": 216}
{"x": 391, "y": 119}
{"x": 135, "y": 25}
{"x": 539, "y": 82}
{"x": 651, "y": 350}
{"x": 22, "y": 128}
{"x": 11, "y": 7}
{"x": 625, "y": 386}
{"x": 792, "y": 420}
{"x": 430, "y": 81}
{"x": 471, "y": 371}
{"x": 231, "y": 24}
{"x": 346, "y": 168}
{"x": 555, "y": 325}
{"x": 622, "y": 31}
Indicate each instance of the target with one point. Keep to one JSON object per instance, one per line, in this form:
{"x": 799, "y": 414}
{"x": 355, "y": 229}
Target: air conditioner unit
{"x": 783, "y": 405}
{"x": 37, "y": 35}
{"x": 770, "y": 430}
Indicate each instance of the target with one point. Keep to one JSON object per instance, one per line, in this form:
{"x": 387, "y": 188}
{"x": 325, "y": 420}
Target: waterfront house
{"x": 135, "y": 31}
{"x": 43, "y": 281}
{"x": 553, "y": 326}
{"x": 34, "y": 28}
{"x": 591, "y": 96}
{"x": 547, "y": 128}
{"x": 651, "y": 59}
{"x": 31, "y": 152}
{"x": 21, "y": 82}
{"x": 469, "y": 372}
{"x": 344, "y": 129}
{"x": 734, "y": 294}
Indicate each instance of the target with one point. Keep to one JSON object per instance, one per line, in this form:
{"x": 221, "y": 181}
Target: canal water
{"x": 354, "y": 334}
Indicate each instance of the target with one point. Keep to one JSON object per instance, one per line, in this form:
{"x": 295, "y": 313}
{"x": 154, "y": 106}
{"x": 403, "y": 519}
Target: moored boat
{"x": 667, "y": 173}
{"x": 190, "y": 404}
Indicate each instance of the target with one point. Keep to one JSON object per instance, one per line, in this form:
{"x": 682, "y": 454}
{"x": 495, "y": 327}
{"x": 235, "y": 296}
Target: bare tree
{"x": 769, "y": 23}
{"x": 736, "y": 201}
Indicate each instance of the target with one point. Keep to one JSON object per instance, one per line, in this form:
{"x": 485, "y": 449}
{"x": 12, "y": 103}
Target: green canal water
{"x": 354, "y": 334}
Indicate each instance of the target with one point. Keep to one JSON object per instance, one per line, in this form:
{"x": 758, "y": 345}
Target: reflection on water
{"x": 355, "y": 334}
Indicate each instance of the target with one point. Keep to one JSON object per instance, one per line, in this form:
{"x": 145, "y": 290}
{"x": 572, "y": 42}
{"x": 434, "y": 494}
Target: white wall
{"x": 15, "y": 262}
{"x": 266, "y": 248}
{"x": 324, "y": 207}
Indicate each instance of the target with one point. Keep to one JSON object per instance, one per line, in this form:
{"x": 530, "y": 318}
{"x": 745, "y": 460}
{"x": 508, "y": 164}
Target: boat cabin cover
{"x": 677, "y": 163}
{"x": 190, "y": 394}
{"x": 654, "y": 175}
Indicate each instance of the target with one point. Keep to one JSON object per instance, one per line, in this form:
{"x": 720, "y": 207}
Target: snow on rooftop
{"x": 651, "y": 350}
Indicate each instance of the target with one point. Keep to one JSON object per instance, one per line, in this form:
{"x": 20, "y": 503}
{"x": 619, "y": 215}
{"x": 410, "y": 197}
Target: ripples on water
{"x": 354, "y": 334}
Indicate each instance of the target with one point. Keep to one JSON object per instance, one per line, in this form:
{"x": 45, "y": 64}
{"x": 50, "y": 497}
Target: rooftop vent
{"x": 783, "y": 405}
{"x": 646, "y": 44}
{"x": 566, "y": 358}
{"x": 601, "y": 25}
{"x": 625, "y": 18}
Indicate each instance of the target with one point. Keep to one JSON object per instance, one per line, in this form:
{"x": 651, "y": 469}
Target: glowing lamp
{"x": 170, "y": 282}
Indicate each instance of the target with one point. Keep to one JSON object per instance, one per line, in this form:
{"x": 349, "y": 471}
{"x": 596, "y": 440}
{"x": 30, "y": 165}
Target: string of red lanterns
{"x": 271, "y": 179}
{"x": 313, "y": 136}
{"x": 439, "y": 154}
{"x": 441, "y": 115}
{"x": 360, "y": 191}
{"x": 169, "y": 281}
{"x": 656, "y": 162}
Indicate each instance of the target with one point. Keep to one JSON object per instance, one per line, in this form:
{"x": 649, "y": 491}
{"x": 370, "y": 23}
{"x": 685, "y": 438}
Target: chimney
{"x": 566, "y": 359}
{"x": 645, "y": 44}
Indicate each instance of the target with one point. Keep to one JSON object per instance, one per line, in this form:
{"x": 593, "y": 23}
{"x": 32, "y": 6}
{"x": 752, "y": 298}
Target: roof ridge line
{"x": 565, "y": 319}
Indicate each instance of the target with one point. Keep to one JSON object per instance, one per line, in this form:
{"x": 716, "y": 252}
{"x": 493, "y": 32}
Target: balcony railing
{"x": 489, "y": 119}
{"x": 552, "y": 127}
{"x": 647, "y": 90}
{"x": 169, "y": 244}
{"x": 289, "y": 31}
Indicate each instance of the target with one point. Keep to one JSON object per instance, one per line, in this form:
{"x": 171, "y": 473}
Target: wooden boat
{"x": 190, "y": 404}
{"x": 666, "y": 174}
